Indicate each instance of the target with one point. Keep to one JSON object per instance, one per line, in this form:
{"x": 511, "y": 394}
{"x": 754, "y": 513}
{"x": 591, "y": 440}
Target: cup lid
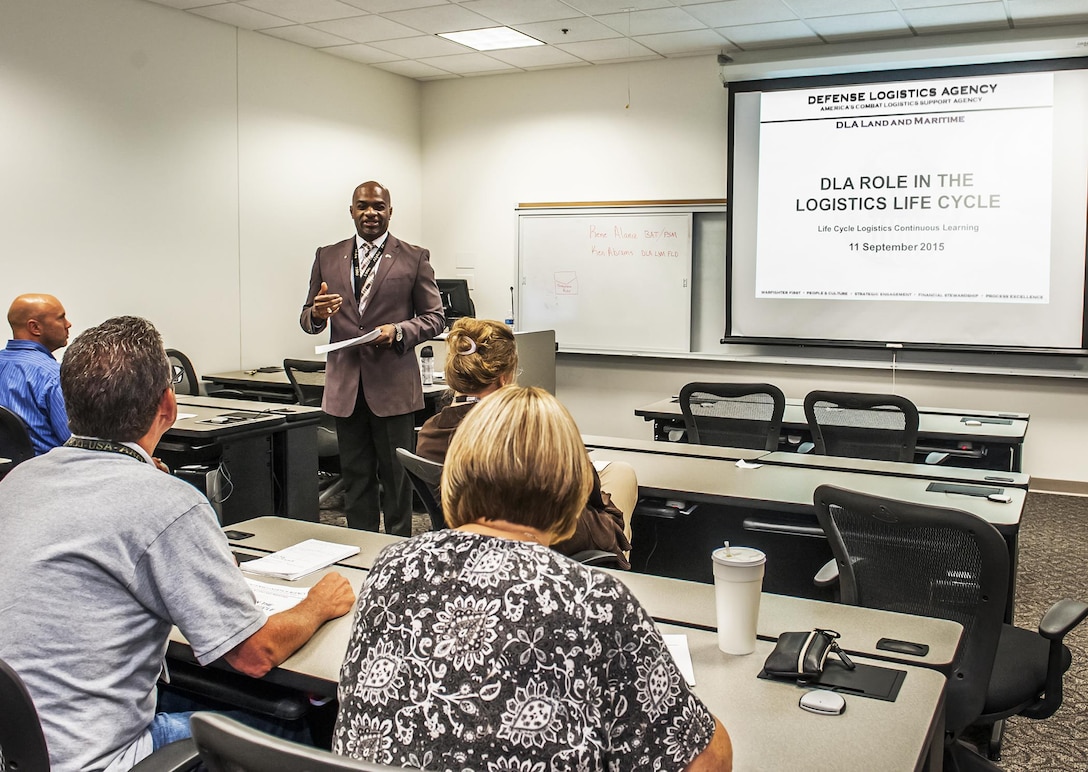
{"x": 739, "y": 556}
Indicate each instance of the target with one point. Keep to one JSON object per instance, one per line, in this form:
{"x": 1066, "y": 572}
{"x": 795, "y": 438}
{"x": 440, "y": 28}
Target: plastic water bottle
{"x": 426, "y": 365}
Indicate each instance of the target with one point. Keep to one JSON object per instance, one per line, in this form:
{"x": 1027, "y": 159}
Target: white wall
{"x": 568, "y": 135}
{"x": 157, "y": 163}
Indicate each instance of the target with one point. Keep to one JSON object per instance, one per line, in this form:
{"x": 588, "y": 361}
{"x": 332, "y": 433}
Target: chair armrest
{"x": 828, "y": 575}
{"x": 1062, "y": 617}
{"x": 597, "y": 558}
{"x": 178, "y": 756}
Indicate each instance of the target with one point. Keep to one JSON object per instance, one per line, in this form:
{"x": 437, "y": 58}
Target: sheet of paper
{"x": 274, "y": 598}
{"x": 182, "y": 416}
{"x": 299, "y": 559}
{"x": 742, "y": 464}
{"x": 327, "y": 347}
{"x": 678, "y": 647}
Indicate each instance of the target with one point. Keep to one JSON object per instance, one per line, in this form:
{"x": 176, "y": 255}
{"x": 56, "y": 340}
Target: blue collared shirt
{"x": 30, "y": 388}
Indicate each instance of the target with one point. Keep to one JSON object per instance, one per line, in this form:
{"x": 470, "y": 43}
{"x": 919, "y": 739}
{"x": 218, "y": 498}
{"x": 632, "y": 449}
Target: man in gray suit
{"x": 374, "y": 282}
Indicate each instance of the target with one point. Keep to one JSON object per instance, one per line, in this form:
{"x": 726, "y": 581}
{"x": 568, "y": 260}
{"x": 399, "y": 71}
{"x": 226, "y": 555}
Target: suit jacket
{"x": 404, "y": 292}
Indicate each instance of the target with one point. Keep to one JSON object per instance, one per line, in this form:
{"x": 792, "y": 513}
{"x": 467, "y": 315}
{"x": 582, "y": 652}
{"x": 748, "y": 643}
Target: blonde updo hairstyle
{"x": 518, "y": 457}
{"x": 478, "y": 353}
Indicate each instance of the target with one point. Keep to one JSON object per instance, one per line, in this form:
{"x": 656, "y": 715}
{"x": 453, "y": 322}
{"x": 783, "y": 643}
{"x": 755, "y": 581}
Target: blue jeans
{"x": 172, "y": 721}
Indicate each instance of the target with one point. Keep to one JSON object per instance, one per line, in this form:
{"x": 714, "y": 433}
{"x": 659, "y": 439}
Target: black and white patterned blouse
{"x": 470, "y": 652}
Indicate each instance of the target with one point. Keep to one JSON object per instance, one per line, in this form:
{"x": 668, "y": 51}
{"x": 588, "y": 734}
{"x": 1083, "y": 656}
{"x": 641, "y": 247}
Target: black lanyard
{"x": 109, "y": 446}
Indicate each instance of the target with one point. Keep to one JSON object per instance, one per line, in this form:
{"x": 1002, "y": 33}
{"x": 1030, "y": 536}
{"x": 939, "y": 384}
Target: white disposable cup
{"x": 738, "y": 583}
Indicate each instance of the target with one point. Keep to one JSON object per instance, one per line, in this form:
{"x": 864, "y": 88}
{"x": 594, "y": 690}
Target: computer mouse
{"x": 822, "y": 701}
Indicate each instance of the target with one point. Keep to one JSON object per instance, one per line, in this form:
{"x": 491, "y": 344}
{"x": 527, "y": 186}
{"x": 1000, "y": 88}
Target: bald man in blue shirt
{"x": 30, "y": 375}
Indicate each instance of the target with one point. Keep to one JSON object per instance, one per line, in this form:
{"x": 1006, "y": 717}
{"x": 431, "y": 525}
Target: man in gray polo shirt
{"x": 102, "y": 552}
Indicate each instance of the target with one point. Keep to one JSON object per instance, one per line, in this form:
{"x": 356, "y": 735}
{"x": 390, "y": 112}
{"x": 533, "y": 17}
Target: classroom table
{"x": 667, "y": 600}
{"x": 770, "y": 507}
{"x": 246, "y": 456}
{"x": 768, "y": 729}
{"x": 272, "y": 385}
{"x": 982, "y": 439}
{"x": 294, "y": 451}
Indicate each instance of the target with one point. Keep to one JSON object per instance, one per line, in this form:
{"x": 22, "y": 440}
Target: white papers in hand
{"x": 299, "y": 559}
{"x": 327, "y": 347}
{"x": 678, "y": 648}
{"x": 274, "y": 598}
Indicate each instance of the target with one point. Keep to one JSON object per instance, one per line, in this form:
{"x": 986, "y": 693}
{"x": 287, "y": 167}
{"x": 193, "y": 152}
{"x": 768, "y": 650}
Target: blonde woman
{"x": 478, "y": 647}
{"x": 481, "y": 357}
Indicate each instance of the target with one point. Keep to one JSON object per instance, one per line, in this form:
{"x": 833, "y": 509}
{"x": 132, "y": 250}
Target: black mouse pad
{"x": 878, "y": 683}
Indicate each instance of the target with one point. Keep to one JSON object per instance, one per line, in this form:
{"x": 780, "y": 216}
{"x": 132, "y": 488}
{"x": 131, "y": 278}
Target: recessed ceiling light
{"x": 491, "y": 39}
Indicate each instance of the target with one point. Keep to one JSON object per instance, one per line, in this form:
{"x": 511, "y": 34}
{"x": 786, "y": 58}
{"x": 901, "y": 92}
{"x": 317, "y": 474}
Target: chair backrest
{"x": 14, "y": 439}
{"x": 426, "y": 477}
{"x": 929, "y": 561}
{"x": 876, "y": 426}
{"x": 307, "y": 378}
{"x": 190, "y": 384}
{"x": 22, "y": 744}
{"x": 226, "y": 745}
{"x": 737, "y": 415}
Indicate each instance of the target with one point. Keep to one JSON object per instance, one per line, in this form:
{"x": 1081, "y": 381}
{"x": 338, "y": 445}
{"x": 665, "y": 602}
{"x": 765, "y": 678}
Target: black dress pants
{"x": 374, "y": 480}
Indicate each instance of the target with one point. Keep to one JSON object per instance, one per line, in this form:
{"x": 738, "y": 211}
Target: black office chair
{"x": 308, "y": 381}
{"x": 949, "y": 564}
{"x": 737, "y": 415}
{"x": 225, "y": 745}
{"x": 14, "y": 440}
{"x": 189, "y": 383}
{"x": 875, "y": 426}
{"x": 23, "y": 746}
{"x": 426, "y": 478}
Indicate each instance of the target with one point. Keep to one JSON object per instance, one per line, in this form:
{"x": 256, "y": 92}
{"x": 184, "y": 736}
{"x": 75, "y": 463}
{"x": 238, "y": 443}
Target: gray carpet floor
{"x": 1053, "y": 565}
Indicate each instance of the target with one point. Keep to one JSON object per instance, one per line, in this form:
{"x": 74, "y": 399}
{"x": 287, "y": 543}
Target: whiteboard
{"x": 607, "y": 281}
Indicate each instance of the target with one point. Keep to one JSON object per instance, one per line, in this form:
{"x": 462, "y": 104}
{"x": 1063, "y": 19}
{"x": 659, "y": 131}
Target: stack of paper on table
{"x": 299, "y": 559}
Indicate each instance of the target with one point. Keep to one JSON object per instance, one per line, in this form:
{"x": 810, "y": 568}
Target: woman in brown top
{"x": 481, "y": 358}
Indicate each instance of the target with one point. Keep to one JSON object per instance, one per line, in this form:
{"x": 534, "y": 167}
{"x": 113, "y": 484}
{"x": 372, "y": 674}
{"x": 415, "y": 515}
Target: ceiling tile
{"x": 421, "y": 46}
{"x": 385, "y": 6}
{"x": 518, "y": 11}
{"x": 535, "y": 57}
{"x": 973, "y": 16}
{"x": 814, "y": 8}
{"x": 416, "y": 70}
{"x": 1047, "y": 11}
{"x": 568, "y": 30}
{"x": 365, "y": 29}
{"x": 862, "y": 25}
{"x": 304, "y": 11}
{"x": 599, "y": 7}
{"x": 688, "y": 43}
{"x": 619, "y": 49}
{"x": 740, "y": 12}
{"x": 467, "y": 63}
{"x": 182, "y": 4}
{"x": 441, "y": 18}
{"x": 773, "y": 35}
{"x": 651, "y": 22}
{"x": 358, "y": 52}
{"x": 241, "y": 16}
{"x": 305, "y": 36}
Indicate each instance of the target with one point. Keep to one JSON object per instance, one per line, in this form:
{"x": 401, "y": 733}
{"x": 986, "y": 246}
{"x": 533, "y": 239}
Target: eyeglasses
{"x": 177, "y": 374}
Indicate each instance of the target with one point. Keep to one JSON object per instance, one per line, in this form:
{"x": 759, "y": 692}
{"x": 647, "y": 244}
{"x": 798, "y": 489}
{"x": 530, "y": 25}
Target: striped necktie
{"x": 365, "y": 272}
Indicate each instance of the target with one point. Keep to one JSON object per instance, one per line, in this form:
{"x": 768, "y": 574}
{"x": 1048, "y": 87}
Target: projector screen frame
{"x": 904, "y": 75}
